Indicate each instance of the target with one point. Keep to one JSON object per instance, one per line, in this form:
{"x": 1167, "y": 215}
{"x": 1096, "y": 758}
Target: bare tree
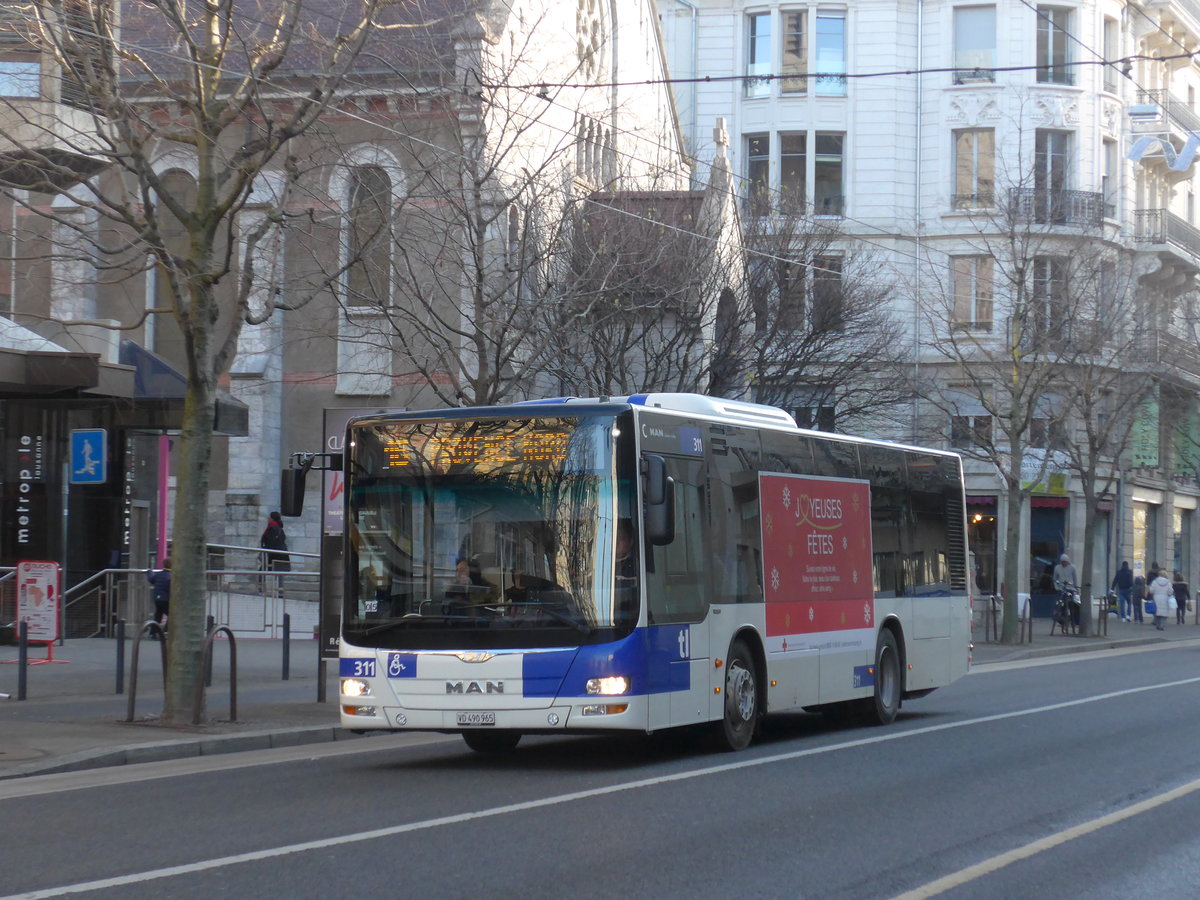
{"x": 222, "y": 90}
{"x": 823, "y": 341}
{"x": 1024, "y": 361}
{"x": 450, "y": 276}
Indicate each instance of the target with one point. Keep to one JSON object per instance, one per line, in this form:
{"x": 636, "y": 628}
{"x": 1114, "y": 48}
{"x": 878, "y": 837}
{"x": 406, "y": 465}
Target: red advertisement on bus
{"x": 816, "y": 538}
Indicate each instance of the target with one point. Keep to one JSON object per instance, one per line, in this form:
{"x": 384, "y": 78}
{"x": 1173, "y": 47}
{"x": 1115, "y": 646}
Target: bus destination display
{"x": 455, "y": 448}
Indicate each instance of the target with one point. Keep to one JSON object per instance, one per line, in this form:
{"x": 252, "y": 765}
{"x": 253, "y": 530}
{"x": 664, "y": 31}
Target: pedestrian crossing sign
{"x": 89, "y": 456}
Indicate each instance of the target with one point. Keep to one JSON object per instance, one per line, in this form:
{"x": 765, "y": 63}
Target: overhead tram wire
{"x": 748, "y": 250}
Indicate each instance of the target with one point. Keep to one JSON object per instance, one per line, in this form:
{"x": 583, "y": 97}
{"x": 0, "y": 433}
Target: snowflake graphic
{"x": 812, "y": 614}
{"x": 845, "y": 543}
{"x": 866, "y": 612}
{"x": 787, "y": 498}
{"x": 770, "y": 524}
{"x": 774, "y": 579}
{"x": 854, "y": 576}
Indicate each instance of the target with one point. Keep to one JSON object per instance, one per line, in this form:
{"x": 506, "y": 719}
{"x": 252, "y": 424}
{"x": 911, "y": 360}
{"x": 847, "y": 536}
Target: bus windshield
{"x": 483, "y": 533}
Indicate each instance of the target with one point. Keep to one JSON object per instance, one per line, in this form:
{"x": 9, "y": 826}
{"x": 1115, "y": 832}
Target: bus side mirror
{"x": 658, "y": 489}
{"x": 291, "y": 491}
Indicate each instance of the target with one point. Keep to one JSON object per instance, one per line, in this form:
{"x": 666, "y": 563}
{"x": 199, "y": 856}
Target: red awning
{"x": 981, "y": 501}
{"x": 1043, "y": 502}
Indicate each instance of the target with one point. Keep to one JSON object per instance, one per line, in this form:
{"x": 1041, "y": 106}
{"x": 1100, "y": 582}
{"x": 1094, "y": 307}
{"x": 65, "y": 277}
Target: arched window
{"x": 368, "y": 280}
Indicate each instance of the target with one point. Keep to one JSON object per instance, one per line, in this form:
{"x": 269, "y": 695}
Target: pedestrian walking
{"x": 1160, "y": 591}
{"x": 1122, "y": 583}
{"x": 1183, "y": 599}
{"x": 160, "y": 591}
{"x": 274, "y": 541}
{"x": 1136, "y": 595}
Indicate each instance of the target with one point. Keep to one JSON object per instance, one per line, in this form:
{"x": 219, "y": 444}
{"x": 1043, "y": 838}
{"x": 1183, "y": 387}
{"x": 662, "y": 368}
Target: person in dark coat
{"x": 274, "y": 541}
{"x": 1183, "y": 598}
{"x": 1122, "y": 583}
{"x": 160, "y": 590}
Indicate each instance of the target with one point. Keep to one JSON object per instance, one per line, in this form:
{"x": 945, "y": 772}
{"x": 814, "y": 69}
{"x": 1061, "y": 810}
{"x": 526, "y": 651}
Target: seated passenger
{"x": 469, "y": 585}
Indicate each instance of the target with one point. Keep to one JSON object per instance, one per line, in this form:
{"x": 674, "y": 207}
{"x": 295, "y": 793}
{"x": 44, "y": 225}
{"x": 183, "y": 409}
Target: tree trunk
{"x": 1009, "y": 633}
{"x": 189, "y": 565}
{"x": 1086, "y": 626}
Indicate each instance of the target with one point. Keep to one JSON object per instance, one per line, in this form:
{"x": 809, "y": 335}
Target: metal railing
{"x": 1183, "y": 115}
{"x": 1159, "y": 226}
{"x": 1049, "y": 206}
{"x": 245, "y": 595}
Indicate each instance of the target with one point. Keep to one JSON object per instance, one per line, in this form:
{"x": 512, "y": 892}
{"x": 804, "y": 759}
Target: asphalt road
{"x": 1071, "y": 777}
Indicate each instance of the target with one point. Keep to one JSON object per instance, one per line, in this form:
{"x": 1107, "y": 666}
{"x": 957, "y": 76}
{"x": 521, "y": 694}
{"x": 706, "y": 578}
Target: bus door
{"x": 677, "y": 598}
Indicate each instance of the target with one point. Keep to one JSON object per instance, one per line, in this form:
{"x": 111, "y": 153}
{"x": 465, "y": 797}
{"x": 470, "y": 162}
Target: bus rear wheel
{"x": 492, "y": 741}
{"x": 740, "y": 720}
{"x": 881, "y": 709}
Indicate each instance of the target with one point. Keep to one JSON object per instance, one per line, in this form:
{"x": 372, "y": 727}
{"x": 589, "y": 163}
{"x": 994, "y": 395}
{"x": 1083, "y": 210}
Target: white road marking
{"x": 969, "y": 874}
{"x": 574, "y": 796}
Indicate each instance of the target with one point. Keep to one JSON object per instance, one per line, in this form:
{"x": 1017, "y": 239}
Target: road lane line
{"x": 1033, "y": 848}
{"x": 559, "y": 799}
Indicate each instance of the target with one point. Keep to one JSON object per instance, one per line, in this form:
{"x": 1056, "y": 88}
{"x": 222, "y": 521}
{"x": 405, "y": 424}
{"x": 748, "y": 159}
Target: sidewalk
{"x": 74, "y": 719}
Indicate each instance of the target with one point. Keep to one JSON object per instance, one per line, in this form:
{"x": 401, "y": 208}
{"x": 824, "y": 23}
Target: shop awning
{"x": 156, "y": 379}
{"x": 32, "y": 366}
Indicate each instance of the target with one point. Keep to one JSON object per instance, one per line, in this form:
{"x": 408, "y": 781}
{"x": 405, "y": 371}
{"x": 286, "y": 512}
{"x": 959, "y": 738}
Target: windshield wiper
{"x": 547, "y": 606}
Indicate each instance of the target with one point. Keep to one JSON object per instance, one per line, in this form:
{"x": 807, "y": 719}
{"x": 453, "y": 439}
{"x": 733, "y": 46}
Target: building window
{"x": 20, "y": 79}
{"x": 793, "y": 291}
{"x": 1110, "y": 186}
{"x": 828, "y": 313}
{"x": 798, "y": 168}
{"x": 830, "y": 53}
{"x": 974, "y": 168}
{"x": 1112, "y": 50}
{"x": 792, "y": 171}
{"x": 974, "y": 44}
{"x": 1054, "y": 45}
{"x": 1046, "y": 320}
{"x": 1046, "y": 433}
{"x": 973, "y": 292}
{"x": 368, "y": 263}
{"x": 795, "y": 53}
{"x": 758, "y": 174}
{"x": 827, "y": 174}
{"x": 758, "y": 54}
{"x": 970, "y": 431}
{"x": 818, "y": 417}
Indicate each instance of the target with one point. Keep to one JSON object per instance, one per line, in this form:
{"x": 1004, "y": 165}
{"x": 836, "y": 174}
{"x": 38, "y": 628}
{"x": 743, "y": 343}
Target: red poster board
{"x": 38, "y": 599}
{"x": 816, "y": 537}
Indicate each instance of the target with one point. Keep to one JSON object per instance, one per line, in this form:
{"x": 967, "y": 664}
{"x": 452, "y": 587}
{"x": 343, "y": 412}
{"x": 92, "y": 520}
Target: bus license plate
{"x": 477, "y": 718}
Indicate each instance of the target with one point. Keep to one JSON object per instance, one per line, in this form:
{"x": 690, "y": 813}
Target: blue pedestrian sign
{"x": 89, "y": 456}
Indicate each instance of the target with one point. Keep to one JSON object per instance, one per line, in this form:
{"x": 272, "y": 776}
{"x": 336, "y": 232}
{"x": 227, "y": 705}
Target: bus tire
{"x": 882, "y": 708}
{"x": 740, "y": 720}
{"x": 492, "y": 741}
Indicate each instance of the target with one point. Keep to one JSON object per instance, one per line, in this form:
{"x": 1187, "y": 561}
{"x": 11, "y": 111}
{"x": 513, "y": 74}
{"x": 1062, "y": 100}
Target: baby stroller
{"x": 1066, "y": 612}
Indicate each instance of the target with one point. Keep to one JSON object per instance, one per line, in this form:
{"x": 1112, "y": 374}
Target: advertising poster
{"x": 38, "y": 599}
{"x": 816, "y": 538}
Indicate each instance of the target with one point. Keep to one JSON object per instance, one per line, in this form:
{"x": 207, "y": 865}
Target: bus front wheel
{"x": 882, "y": 708}
{"x": 740, "y": 720}
{"x": 492, "y": 741}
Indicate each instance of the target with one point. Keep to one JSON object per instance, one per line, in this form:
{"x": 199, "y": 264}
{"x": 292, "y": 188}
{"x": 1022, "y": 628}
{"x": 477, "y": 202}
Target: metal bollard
{"x": 287, "y": 644}
{"x": 120, "y": 629}
{"x": 22, "y": 658}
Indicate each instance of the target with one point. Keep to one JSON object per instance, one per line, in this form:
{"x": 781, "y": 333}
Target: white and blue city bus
{"x": 639, "y": 564}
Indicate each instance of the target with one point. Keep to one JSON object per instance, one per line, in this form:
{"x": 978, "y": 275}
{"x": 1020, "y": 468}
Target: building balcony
{"x": 1049, "y": 206}
{"x": 47, "y": 143}
{"x": 1152, "y": 110}
{"x": 1157, "y": 226}
{"x": 1158, "y": 345}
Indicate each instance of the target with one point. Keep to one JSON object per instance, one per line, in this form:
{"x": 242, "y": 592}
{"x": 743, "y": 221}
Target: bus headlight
{"x": 355, "y": 687}
{"x": 609, "y": 686}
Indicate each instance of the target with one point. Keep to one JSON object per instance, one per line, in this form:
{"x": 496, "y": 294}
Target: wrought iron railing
{"x": 1158, "y": 226}
{"x": 1059, "y": 207}
{"x": 1183, "y": 115}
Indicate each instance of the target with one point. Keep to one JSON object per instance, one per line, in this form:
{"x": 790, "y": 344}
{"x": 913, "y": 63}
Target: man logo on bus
{"x": 473, "y": 687}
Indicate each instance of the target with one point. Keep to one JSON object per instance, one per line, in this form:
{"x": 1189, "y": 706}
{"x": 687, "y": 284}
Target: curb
{"x": 1086, "y": 645}
{"x": 182, "y": 749}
